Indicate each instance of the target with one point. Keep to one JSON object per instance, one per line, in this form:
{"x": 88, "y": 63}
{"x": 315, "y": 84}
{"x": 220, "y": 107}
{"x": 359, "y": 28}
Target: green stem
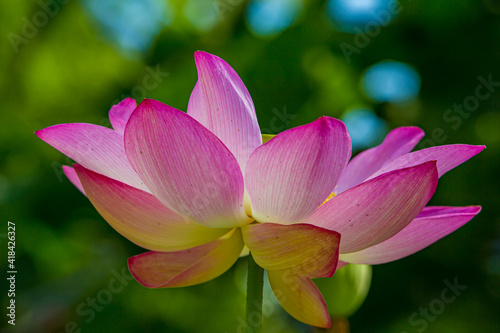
{"x": 255, "y": 284}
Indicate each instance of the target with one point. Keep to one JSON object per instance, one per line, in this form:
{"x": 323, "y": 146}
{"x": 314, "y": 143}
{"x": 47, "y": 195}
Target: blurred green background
{"x": 376, "y": 64}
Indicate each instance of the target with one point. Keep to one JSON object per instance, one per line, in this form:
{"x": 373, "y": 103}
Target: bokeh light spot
{"x": 365, "y": 128}
{"x": 351, "y": 13}
{"x": 391, "y": 81}
{"x": 270, "y": 17}
{"x": 201, "y": 14}
{"x": 132, "y": 24}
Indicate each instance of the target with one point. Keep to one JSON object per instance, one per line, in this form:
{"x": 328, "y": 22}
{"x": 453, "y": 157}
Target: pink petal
{"x": 188, "y": 267}
{"x": 398, "y": 142}
{"x": 140, "y": 217}
{"x": 377, "y": 209}
{"x": 73, "y": 177}
{"x": 221, "y": 102}
{"x": 304, "y": 248}
{"x": 185, "y": 166}
{"x": 447, "y": 157}
{"x": 291, "y": 175}
{"x": 432, "y": 224}
{"x": 341, "y": 264}
{"x": 119, "y": 114}
{"x": 97, "y": 148}
{"x": 300, "y": 297}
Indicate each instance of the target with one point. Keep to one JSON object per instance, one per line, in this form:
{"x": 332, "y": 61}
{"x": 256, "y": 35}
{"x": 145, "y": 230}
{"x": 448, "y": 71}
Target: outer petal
{"x": 300, "y": 297}
{"x": 73, "y": 178}
{"x": 304, "y": 248}
{"x": 398, "y": 142}
{"x": 188, "y": 267}
{"x": 97, "y": 148}
{"x": 432, "y": 224}
{"x": 186, "y": 166}
{"x": 221, "y": 102}
{"x": 447, "y": 157}
{"x": 291, "y": 175}
{"x": 119, "y": 114}
{"x": 140, "y": 217}
{"x": 378, "y": 209}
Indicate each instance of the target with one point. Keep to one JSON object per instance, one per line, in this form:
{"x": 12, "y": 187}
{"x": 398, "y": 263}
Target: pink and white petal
{"x": 447, "y": 157}
{"x": 119, "y": 114}
{"x": 398, "y": 142}
{"x": 221, "y": 102}
{"x": 305, "y": 249}
{"x": 185, "y": 165}
{"x": 377, "y": 209}
{"x": 431, "y": 225}
{"x": 70, "y": 173}
{"x": 300, "y": 297}
{"x": 97, "y": 148}
{"x": 341, "y": 264}
{"x": 140, "y": 217}
{"x": 291, "y": 175}
{"x": 189, "y": 267}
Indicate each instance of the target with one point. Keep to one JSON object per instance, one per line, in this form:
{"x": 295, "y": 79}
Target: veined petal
{"x": 447, "y": 157}
{"x": 221, "y": 102}
{"x": 140, "y": 217}
{"x": 119, "y": 114}
{"x": 188, "y": 267}
{"x": 185, "y": 165}
{"x": 291, "y": 175}
{"x": 398, "y": 142}
{"x": 97, "y": 148}
{"x": 303, "y": 248}
{"x": 70, "y": 173}
{"x": 377, "y": 209}
{"x": 300, "y": 297}
{"x": 432, "y": 224}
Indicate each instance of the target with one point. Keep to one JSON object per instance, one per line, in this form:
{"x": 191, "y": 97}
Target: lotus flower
{"x": 196, "y": 188}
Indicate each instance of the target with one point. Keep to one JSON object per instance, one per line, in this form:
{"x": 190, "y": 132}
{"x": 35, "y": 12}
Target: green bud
{"x": 346, "y": 290}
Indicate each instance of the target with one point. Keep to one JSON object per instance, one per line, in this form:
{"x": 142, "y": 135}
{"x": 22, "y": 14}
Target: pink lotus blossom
{"x": 195, "y": 188}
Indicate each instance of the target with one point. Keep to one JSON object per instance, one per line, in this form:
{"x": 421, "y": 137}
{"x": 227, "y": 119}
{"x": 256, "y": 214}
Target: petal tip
{"x": 200, "y": 55}
{"x": 476, "y": 209}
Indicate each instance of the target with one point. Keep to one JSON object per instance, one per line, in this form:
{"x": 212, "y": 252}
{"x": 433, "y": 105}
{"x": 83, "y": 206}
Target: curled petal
{"x": 140, "y": 217}
{"x": 398, "y": 142}
{"x": 291, "y": 175}
{"x": 447, "y": 157}
{"x": 185, "y": 165}
{"x": 189, "y": 267}
{"x": 221, "y": 102}
{"x": 378, "y": 209}
{"x": 300, "y": 297}
{"x": 97, "y": 148}
{"x": 304, "y": 248}
{"x": 119, "y": 114}
{"x": 432, "y": 224}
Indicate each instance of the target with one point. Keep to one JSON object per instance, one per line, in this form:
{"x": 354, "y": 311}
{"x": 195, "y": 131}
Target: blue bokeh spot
{"x": 132, "y": 24}
{"x": 351, "y": 13}
{"x": 270, "y": 17}
{"x": 365, "y": 128}
{"x": 391, "y": 81}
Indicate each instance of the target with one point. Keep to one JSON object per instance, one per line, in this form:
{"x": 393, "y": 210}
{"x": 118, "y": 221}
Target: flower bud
{"x": 346, "y": 290}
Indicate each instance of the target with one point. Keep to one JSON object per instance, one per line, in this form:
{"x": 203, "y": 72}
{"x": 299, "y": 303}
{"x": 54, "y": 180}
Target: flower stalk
{"x": 255, "y": 285}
